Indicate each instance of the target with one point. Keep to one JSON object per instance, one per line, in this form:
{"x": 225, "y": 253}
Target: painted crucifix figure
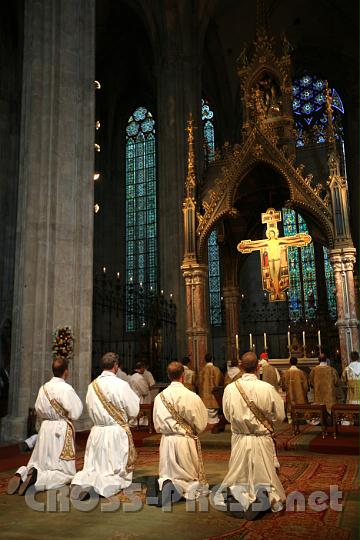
{"x": 273, "y": 253}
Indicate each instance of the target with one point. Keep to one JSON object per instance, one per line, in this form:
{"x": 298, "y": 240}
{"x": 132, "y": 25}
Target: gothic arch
{"x": 225, "y": 176}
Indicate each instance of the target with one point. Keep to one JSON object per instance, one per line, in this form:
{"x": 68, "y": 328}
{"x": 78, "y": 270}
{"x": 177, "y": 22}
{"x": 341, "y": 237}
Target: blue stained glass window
{"x": 330, "y": 285}
{"x": 302, "y": 290}
{"x": 309, "y": 107}
{"x": 141, "y": 215}
{"x": 207, "y": 116}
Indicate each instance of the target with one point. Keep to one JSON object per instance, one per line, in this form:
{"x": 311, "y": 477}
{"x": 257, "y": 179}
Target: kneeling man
{"x": 110, "y": 452}
{"x": 251, "y": 406}
{"x": 52, "y": 463}
{"x": 180, "y": 415}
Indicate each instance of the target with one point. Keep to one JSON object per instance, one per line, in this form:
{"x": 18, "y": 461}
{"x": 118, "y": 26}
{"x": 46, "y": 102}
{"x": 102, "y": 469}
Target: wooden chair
{"x": 309, "y": 411}
{"x": 146, "y": 411}
{"x": 341, "y": 411}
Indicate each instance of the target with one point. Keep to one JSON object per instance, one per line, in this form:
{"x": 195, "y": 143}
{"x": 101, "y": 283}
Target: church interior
{"x": 180, "y": 178}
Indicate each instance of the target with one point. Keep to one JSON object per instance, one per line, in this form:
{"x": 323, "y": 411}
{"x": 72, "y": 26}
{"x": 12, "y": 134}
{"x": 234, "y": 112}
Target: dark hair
{"x": 139, "y": 365}
{"x": 185, "y": 361}
{"x": 293, "y": 361}
{"x": 354, "y": 356}
{"x": 109, "y": 360}
{"x": 59, "y": 366}
{"x": 175, "y": 370}
{"x": 208, "y": 357}
{"x": 249, "y": 362}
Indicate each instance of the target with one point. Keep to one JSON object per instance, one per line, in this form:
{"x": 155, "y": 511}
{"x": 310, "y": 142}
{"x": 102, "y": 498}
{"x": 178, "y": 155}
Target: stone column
{"x": 197, "y": 326}
{"x": 349, "y": 258}
{"x": 54, "y": 254}
{"x": 342, "y": 261}
{"x": 178, "y": 94}
{"x": 231, "y": 303}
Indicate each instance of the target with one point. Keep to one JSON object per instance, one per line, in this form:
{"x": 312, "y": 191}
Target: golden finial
{"x": 191, "y": 176}
{"x": 329, "y": 113}
{"x": 262, "y": 25}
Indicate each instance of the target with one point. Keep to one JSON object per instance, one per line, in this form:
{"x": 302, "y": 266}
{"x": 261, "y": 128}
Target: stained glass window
{"x": 213, "y": 248}
{"x": 302, "y": 290}
{"x": 330, "y": 285}
{"x": 309, "y": 108}
{"x": 141, "y": 213}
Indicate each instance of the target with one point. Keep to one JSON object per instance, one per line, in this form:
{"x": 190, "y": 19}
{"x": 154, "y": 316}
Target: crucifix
{"x": 273, "y": 253}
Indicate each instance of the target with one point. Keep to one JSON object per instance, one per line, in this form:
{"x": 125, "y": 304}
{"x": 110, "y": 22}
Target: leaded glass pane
{"x": 207, "y": 116}
{"x": 309, "y": 108}
{"x": 141, "y": 212}
{"x": 302, "y": 291}
{"x": 330, "y": 285}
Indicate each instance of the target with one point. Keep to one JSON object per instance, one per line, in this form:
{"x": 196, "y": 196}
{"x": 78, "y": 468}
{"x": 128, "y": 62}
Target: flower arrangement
{"x": 63, "y": 342}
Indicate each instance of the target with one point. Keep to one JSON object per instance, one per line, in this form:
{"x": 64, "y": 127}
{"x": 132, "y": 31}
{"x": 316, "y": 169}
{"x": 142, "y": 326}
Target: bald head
{"x": 249, "y": 362}
{"x": 175, "y": 371}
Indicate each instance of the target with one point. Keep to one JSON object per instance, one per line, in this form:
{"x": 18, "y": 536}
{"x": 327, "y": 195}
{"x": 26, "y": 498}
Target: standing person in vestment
{"x": 267, "y": 372}
{"x": 210, "y": 378}
{"x": 121, "y": 373}
{"x": 233, "y": 372}
{"x": 295, "y": 384}
{"x": 324, "y": 380}
{"x": 148, "y": 376}
{"x": 251, "y": 406}
{"x": 110, "y": 453}
{"x": 52, "y": 463}
{"x": 180, "y": 415}
{"x": 139, "y": 384}
{"x": 189, "y": 375}
{"x": 350, "y": 376}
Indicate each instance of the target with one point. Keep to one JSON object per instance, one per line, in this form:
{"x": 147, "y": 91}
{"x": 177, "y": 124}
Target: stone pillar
{"x": 197, "y": 325}
{"x": 178, "y": 94}
{"x": 54, "y": 253}
{"x": 231, "y": 304}
{"x": 342, "y": 261}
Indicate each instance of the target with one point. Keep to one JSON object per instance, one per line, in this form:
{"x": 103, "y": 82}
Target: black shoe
{"x": 259, "y": 507}
{"x": 30, "y": 480}
{"x": 169, "y": 494}
{"x": 153, "y": 495}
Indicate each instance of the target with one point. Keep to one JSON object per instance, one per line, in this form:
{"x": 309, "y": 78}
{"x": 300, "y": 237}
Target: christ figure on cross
{"x": 273, "y": 252}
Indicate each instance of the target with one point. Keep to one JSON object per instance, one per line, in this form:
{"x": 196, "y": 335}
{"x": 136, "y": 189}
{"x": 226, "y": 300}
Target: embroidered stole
{"x": 68, "y": 452}
{"x": 189, "y": 431}
{"x": 258, "y": 413}
{"x": 117, "y": 415}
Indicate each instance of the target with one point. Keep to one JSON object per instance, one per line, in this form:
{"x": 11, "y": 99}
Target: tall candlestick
{"x": 251, "y": 342}
{"x": 237, "y": 346}
{"x": 265, "y": 342}
{"x": 304, "y": 343}
{"x": 289, "y": 341}
{"x": 319, "y": 341}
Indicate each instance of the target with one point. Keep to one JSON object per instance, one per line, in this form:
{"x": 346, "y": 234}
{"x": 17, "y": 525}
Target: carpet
{"x": 299, "y": 472}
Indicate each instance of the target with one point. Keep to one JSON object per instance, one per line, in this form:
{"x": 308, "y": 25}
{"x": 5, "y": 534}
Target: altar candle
{"x": 237, "y": 345}
{"x": 251, "y": 343}
{"x": 265, "y": 342}
{"x": 319, "y": 339}
{"x": 289, "y": 341}
{"x": 304, "y": 342}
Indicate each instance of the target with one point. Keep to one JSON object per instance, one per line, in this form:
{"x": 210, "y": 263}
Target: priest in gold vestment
{"x": 189, "y": 375}
{"x": 295, "y": 384}
{"x": 324, "y": 380}
{"x": 210, "y": 378}
{"x": 350, "y": 376}
{"x": 267, "y": 372}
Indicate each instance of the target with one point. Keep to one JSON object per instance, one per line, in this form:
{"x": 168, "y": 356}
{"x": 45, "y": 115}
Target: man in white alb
{"x": 180, "y": 415}
{"x": 110, "y": 452}
{"x": 121, "y": 374}
{"x": 141, "y": 388}
{"x": 52, "y": 463}
{"x": 251, "y": 405}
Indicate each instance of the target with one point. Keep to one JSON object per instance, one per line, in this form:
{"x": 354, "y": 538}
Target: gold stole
{"x": 189, "y": 431}
{"x": 258, "y": 413}
{"x": 68, "y": 452}
{"x": 117, "y": 415}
